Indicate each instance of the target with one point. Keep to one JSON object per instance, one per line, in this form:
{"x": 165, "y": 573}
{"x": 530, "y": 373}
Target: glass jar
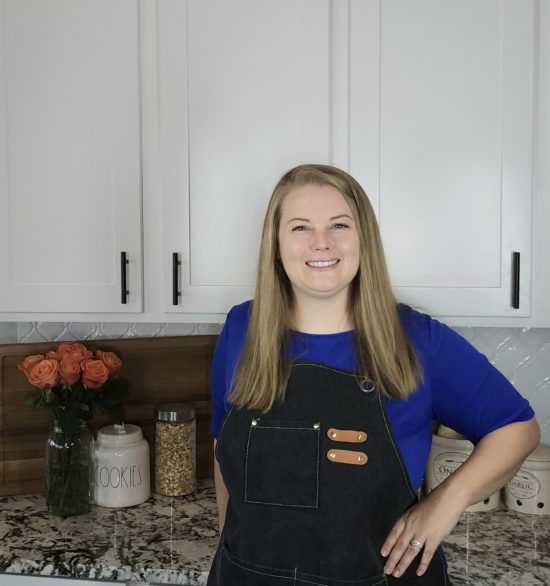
{"x": 121, "y": 466}
{"x": 69, "y": 470}
{"x": 175, "y": 449}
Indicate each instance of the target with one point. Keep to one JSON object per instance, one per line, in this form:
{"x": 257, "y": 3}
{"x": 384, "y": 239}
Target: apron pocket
{"x": 233, "y": 571}
{"x": 282, "y": 463}
{"x": 310, "y": 580}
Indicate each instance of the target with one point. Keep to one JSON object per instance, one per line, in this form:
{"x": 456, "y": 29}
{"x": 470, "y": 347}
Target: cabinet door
{"x": 441, "y": 139}
{"x": 244, "y": 96}
{"x": 69, "y": 155}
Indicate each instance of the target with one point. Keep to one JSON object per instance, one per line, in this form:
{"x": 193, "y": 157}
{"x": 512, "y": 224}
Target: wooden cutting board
{"x": 158, "y": 370}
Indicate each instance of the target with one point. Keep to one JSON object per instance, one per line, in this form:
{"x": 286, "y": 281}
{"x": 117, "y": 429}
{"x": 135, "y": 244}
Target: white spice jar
{"x": 529, "y": 489}
{"x": 445, "y": 457}
{"x": 175, "y": 449}
{"x": 121, "y": 466}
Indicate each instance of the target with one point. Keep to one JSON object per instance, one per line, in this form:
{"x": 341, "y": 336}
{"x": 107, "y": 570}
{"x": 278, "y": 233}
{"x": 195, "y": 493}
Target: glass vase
{"x": 69, "y": 470}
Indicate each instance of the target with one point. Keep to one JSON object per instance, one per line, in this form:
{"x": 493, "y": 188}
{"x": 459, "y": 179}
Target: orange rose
{"x": 74, "y": 351}
{"x": 29, "y": 362}
{"x": 111, "y": 361}
{"x": 94, "y": 373}
{"x": 54, "y": 355}
{"x": 69, "y": 372}
{"x": 44, "y": 374}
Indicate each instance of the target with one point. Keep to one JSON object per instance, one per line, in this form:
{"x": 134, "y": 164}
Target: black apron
{"x": 315, "y": 487}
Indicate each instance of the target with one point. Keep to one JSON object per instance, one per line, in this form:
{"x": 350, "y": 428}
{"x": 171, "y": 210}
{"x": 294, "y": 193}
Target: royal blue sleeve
{"x": 468, "y": 393}
{"x": 226, "y": 356}
{"x": 218, "y": 381}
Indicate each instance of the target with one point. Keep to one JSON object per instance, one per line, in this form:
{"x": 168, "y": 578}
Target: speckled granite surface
{"x": 165, "y": 540}
{"x": 173, "y": 541}
{"x": 500, "y": 548}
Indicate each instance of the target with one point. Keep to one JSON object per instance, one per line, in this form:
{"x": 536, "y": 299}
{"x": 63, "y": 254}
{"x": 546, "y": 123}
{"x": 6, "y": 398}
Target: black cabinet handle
{"x": 123, "y": 288}
{"x": 175, "y": 278}
{"x": 515, "y": 280}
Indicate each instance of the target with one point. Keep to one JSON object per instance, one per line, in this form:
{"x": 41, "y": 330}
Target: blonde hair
{"x": 382, "y": 349}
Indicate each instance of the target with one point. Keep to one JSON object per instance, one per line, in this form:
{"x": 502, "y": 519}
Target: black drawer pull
{"x": 175, "y": 278}
{"x": 515, "y": 280}
{"x": 123, "y": 287}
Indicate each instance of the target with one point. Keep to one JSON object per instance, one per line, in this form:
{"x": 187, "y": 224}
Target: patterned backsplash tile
{"x": 521, "y": 354}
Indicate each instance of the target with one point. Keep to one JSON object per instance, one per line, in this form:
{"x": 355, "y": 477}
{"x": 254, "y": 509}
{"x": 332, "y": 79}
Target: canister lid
{"x": 540, "y": 454}
{"x": 117, "y": 435}
{"x": 452, "y": 444}
{"x": 174, "y": 412}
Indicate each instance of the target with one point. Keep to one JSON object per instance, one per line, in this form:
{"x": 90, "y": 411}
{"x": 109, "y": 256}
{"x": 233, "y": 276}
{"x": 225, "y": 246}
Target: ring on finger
{"x": 415, "y": 543}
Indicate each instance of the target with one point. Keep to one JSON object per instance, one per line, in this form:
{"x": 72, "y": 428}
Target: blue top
{"x": 460, "y": 389}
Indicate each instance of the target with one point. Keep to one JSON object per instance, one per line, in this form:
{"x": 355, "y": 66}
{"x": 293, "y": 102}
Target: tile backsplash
{"x": 521, "y": 354}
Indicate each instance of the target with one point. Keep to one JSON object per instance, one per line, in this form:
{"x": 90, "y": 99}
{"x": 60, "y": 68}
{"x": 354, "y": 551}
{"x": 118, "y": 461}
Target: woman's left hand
{"x": 494, "y": 460}
{"x": 428, "y": 522}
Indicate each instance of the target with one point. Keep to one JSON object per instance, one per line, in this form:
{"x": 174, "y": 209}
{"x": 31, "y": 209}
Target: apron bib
{"x": 315, "y": 487}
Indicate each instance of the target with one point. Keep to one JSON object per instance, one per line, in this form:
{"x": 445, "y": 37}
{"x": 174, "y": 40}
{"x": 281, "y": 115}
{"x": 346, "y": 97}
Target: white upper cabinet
{"x": 243, "y": 96}
{"x": 441, "y": 134}
{"x": 70, "y": 187}
{"x": 204, "y": 104}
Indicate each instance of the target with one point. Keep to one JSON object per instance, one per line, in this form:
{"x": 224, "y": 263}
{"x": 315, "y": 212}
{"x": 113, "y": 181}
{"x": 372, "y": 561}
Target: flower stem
{"x": 66, "y": 466}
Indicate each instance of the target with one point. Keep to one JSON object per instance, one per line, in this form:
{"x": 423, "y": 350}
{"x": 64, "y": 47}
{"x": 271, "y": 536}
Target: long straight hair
{"x": 382, "y": 350}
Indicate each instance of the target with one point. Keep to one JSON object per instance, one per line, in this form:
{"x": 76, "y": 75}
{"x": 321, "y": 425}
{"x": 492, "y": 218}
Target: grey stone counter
{"x": 164, "y": 540}
{"x": 172, "y": 540}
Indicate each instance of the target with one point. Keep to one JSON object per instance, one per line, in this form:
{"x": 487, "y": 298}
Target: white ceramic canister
{"x": 445, "y": 457}
{"x": 121, "y": 466}
{"x": 529, "y": 490}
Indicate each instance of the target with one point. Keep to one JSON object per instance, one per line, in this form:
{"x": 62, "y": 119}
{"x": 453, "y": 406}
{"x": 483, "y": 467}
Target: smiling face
{"x": 318, "y": 243}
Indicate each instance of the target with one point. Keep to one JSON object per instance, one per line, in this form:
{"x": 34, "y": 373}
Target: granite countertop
{"x": 172, "y": 540}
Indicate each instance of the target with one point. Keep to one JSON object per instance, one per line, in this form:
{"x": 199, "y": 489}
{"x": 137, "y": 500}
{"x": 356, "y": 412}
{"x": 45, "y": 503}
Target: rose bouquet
{"x": 74, "y": 382}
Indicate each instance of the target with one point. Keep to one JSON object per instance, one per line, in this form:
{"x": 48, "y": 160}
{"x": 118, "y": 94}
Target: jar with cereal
{"x": 175, "y": 449}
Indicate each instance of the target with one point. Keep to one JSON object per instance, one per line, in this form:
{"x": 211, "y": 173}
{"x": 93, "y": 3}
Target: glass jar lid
{"x": 174, "y": 412}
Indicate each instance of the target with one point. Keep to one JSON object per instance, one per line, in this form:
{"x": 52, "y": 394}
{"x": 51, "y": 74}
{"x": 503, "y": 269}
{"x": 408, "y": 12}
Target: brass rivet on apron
{"x": 254, "y": 422}
{"x": 360, "y": 437}
{"x": 359, "y": 458}
{"x": 332, "y": 455}
{"x": 315, "y": 426}
{"x": 333, "y": 434}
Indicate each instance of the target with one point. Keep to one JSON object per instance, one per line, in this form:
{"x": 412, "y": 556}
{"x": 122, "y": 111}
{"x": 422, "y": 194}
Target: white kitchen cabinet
{"x": 429, "y": 106}
{"x": 70, "y": 187}
{"x": 440, "y": 131}
{"x": 441, "y": 134}
{"x": 243, "y": 96}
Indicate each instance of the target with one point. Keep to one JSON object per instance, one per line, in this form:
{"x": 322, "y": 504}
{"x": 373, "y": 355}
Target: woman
{"x": 327, "y": 389}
